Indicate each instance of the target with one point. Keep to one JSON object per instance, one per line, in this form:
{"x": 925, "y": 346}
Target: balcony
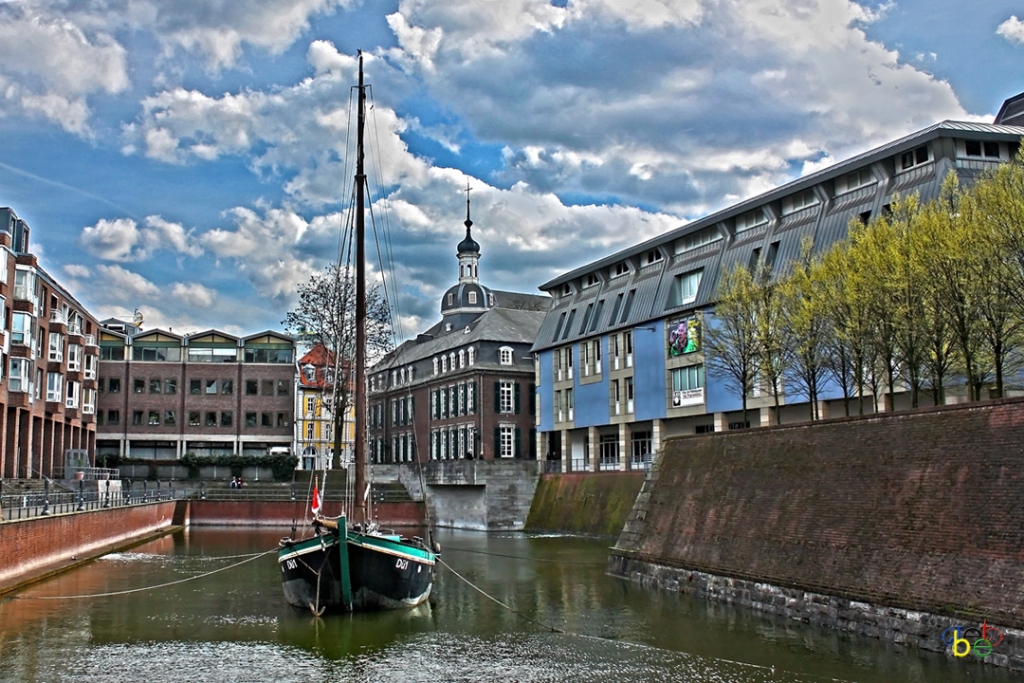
{"x": 90, "y": 340}
{"x": 57, "y": 317}
{"x": 75, "y": 329}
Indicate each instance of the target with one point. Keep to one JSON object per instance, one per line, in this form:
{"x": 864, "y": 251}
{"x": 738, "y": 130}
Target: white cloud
{"x": 193, "y": 295}
{"x": 124, "y": 285}
{"x": 122, "y": 240}
{"x": 51, "y": 66}
{"x": 1012, "y": 29}
{"x": 76, "y": 270}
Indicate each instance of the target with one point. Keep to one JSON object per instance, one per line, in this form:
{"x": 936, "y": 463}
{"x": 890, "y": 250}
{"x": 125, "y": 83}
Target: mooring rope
{"x": 144, "y": 588}
{"x": 496, "y": 600}
{"x": 771, "y": 669}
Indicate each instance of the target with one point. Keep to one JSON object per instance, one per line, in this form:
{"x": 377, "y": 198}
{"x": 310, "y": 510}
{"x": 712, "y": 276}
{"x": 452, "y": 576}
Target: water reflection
{"x": 233, "y": 625}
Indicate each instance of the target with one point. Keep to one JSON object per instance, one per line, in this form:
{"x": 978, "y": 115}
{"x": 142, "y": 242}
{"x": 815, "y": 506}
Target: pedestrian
{"x": 234, "y": 483}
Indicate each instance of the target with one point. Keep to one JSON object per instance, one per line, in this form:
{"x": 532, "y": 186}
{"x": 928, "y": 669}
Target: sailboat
{"x": 347, "y": 564}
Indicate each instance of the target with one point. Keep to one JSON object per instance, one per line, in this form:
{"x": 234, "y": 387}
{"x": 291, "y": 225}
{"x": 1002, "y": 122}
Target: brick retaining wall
{"x": 36, "y": 546}
{"x": 920, "y": 511}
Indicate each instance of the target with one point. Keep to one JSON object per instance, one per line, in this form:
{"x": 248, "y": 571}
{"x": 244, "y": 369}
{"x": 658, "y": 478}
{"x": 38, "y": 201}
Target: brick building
{"x": 48, "y": 363}
{"x": 163, "y": 395}
{"x": 464, "y": 388}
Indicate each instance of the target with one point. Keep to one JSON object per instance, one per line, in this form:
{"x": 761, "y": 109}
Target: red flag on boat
{"x": 316, "y": 499}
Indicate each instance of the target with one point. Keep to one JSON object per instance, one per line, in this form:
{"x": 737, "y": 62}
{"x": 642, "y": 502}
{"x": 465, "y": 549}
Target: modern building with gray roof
{"x": 619, "y": 360}
{"x": 464, "y": 388}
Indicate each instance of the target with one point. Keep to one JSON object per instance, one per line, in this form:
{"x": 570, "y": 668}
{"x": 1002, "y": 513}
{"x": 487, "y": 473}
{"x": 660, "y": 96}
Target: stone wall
{"x": 583, "y": 503}
{"x": 917, "y": 511}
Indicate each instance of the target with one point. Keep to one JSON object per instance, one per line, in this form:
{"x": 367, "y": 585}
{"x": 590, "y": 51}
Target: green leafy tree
{"x": 806, "y": 327}
{"x": 730, "y": 333}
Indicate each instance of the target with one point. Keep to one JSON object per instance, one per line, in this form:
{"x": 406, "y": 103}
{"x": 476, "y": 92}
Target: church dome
{"x": 466, "y": 296}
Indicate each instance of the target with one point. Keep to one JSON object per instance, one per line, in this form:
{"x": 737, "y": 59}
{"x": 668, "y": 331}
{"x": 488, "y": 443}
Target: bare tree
{"x": 730, "y": 333}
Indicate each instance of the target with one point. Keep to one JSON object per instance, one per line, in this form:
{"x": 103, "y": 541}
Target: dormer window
{"x": 444, "y": 363}
{"x": 976, "y": 148}
{"x": 472, "y": 297}
{"x": 619, "y": 269}
{"x": 855, "y": 181}
{"x": 472, "y": 355}
{"x": 914, "y": 157}
{"x": 751, "y": 219}
{"x": 566, "y": 290}
{"x": 799, "y": 201}
{"x": 490, "y": 298}
{"x": 591, "y": 280}
{"x": 505, "y": 355}
{"x": 462, "y": 358}
{"x": 451, "y": 298}
{"x": 653, "y": 256}
{"x": 435, "y": 366}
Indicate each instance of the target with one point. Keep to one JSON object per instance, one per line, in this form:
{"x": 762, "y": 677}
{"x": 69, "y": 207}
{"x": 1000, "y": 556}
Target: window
{"x": 444, "y": 363}
{"x": 914, "y": 157}
{"x": 195, "y": 386}
{"x": 20, "y": 379}
{"x": 684, "y": 379}
{"x": 154, "y": 386}
{"x": 211, "y": 387}
{"x": 113, "y": 417}
{"x": 54, "y": 387}
{"x": 652, "y": 256}
{"x": 154, "y": 418}
{"x": 74, "y": 357}
{"x": 137, "y": 418}
{"x": 170, "y": 418}
{"x": 697, "y": 240}
{"x": 570, "y": 404}
{"x": 749, "y": 220}
{"x": 115, "y": 385}
{"x": 311, "y": 404}
{"x": 471, "y": 351}
{"x": 798, "y": 202}
{"x": 507, "y": 441}
{"x": 621, "y": 268}
{"x": 225, "y": 418}
{"x": 170, "y": 385}
{"x": 506, "y": 398}
{"x": 139, "y": 385}
{"x": 590, "y": 280}
{"x": 193, "y": 418}
{"x": 211, "y": 419}
{"x": 156, "y": 353}
{"x": 89, "y": 401}
{"x": 282, "y": 419}
{"x": 112, "y": 352}
{"x": 629, "y": 394}
{"x": 227, "y": 387}
{"x": 91, "y": 361}
{"x": 471, "y": 398}
{"x": 21, "y": 329}
{"x": 251, "y": 387}
{"x": 263, "y": 355}
{"x": 472, "y": 297}
{"x": 267, "y": 387}
{"x": 609, "y": 452}
{"x": 220, "y": 355}
{"x": 505, "y": 355}
{"x": 56, "y": 350}
{"x": 686, "y": 287}
{"x": 310, "y": 427}
{"x": 250, "y": 419}
{"x": 284, "y": 387}
{"x": 855, "y": 181}
{"x": 976, "y": 148}
{"x": 266, "y": 420}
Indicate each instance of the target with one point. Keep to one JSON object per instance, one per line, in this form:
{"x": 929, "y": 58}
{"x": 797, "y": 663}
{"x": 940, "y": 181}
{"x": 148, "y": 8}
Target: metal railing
{"x": 41, "y": 503}
{"x": 88, "y": 473}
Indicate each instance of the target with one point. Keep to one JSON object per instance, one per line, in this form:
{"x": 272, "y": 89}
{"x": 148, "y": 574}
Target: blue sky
{"x": 187, "y": 158}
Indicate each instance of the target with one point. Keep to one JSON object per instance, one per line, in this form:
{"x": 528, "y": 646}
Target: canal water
{"x": 233, "y": 625}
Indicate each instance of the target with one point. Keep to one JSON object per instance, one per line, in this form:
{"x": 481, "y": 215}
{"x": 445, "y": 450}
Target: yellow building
{"x": 315, "y": 422}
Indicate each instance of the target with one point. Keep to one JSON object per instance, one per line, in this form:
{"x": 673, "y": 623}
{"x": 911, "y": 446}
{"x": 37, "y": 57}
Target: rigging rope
{"x": 144, "y": 588}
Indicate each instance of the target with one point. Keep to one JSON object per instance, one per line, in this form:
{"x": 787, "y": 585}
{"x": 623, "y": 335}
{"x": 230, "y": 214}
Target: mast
{"x": 360, "y": 379}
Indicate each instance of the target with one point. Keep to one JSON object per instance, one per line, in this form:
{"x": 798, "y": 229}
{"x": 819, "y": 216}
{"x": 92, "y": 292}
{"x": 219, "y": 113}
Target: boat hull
{"x": 311, "y": 572}
{"x": 376, "y": 572}
{"x": 387, "y": 573}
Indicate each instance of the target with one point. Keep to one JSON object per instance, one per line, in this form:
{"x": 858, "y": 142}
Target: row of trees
{"x": 927, "y": 297}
